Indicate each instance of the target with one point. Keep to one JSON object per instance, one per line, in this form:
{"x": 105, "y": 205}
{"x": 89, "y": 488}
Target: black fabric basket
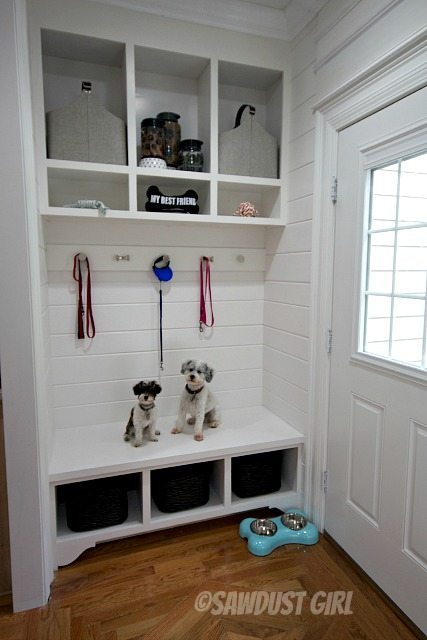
{"x": 180, "y": 488}
{"x": 94, "y": 504}
{"x": 256, "y": 474}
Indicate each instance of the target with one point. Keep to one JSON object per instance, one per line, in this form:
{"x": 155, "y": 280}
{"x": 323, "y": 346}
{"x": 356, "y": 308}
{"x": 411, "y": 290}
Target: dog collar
{"x": 147, "y": 408}
{"x": 195, "y": 392}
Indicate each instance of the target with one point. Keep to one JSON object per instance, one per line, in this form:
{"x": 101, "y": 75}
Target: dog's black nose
{"x": 145, "y": 397}
{"x": 192, "y": 376}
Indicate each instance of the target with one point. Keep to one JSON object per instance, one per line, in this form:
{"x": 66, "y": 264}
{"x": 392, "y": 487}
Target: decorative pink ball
{"x": 246, "y": 209}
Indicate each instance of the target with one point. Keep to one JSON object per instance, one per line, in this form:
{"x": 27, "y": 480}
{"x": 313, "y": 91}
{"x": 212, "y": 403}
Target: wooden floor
{"x": 145, "y": 588}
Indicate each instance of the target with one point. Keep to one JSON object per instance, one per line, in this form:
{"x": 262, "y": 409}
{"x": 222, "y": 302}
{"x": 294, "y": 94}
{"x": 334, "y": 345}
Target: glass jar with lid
{"x": 152, "y": 138}
{"x": 190, "y": 155}
{"x": 172, "y": 137}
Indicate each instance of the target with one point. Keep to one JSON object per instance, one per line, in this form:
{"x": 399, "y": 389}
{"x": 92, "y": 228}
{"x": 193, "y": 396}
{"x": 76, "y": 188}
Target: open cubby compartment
{"x": 174, "y": 183}
{"x": 290, "y": 479}
{"x": 66, "y": 186}
{"x": 132, "y": 484}
{"x": 243, "y": 84}
{"x": 181, "y": 83}
{"x": 264, "y": 194}
{"x": 214, "y": 506}
{"x": 69, "y": 59}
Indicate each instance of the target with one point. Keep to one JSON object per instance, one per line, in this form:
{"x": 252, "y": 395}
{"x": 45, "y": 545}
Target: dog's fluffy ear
{"x": 155, "y": 388}
{"x": 209, "y": 373}
{"x": 186, "y": 365}
{"x": 138, "y": 388}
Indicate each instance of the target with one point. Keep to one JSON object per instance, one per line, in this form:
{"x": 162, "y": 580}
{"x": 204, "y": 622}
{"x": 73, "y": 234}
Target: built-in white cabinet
{"x": 134, "y": 82}
{"x": 140, "y": 65}
{"x": 99, "y": 452}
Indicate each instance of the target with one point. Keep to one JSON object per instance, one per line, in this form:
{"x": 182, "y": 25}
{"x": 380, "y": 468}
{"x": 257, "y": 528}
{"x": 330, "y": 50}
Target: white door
{"x": 376, "y": 502}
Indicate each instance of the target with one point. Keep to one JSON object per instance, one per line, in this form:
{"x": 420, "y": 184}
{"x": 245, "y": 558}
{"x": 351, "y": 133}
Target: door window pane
{"x": 396, "y": 268}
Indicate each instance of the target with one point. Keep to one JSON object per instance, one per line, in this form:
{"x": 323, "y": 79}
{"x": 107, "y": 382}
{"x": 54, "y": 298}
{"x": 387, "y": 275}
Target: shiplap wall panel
{"x": 289, "y": 318}
{"x": 288, "y": 292}
{"x": 145, "y": 289}
{"x": 304, "y": 87}
{"x": 287, "y": 367}
{"x": 301, "y": 120}
{"x": 287, "y": 343}
{"x": 145, "y": 364}
{"x": 137, "y": 317}
{"x": 105, "y": 232}
{"x": 137, "y": 341}
{"x": 301, "y": 150}
{"x": 121, "y": 390}
{"x": 277, "y": 405}
{"x": 290, "y": 393}
{"x": 141, "y": 258}
{"x": 289, "y": 267}
{"x": 287, "y": 288}
{"x": 92, "y": 380}
{"x": 296, "y": 238}
{"x": 119, "y": 411}
{"x": 300, "y": 182}
{"x": 300, "y": 210}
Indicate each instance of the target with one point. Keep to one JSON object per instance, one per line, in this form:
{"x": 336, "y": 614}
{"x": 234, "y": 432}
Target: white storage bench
{"x": 99, "y": 451}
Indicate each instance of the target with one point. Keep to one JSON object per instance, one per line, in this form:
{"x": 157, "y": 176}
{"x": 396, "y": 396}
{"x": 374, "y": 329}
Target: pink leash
{"x": 205, "y": 293}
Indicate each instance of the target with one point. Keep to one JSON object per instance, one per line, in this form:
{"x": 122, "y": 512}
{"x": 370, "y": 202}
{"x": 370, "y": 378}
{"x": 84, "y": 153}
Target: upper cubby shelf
{"x": 166, "y": 81}
{"x": 128, "y": 83}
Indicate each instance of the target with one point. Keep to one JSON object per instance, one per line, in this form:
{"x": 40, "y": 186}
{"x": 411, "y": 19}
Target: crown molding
{"x": 235, "y": 15}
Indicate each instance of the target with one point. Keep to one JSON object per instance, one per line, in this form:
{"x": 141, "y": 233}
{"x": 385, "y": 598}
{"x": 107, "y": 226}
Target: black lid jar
{"x": 190, "y": 155}
{"x": 172, "y": 136}
{"x": 152, "y": 138}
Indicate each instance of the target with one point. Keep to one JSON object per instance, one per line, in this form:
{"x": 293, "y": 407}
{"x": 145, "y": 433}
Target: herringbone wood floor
{"x": 144, "y": 589}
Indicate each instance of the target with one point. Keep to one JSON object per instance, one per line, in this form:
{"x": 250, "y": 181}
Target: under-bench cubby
{"x": 78, "y": 457}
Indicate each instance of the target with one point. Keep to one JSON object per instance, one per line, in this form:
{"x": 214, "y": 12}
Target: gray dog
{"x": 197, "y": 401}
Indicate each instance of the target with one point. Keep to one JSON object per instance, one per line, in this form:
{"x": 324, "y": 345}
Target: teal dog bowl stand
{"x": 263, "y": 545}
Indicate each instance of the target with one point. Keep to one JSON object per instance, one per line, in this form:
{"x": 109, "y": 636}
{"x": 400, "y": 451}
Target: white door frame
{"x": 21, "y": 334}
{"x": 400, "y": 72}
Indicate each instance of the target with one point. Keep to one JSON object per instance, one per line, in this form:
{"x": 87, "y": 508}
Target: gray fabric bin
{"x": 87, "y": 132}
{"x": 248, "y": 149}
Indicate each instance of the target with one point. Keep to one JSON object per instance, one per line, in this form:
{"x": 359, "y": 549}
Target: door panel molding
{"x": 414, "y": 544}
{"x": 364, "y": 458}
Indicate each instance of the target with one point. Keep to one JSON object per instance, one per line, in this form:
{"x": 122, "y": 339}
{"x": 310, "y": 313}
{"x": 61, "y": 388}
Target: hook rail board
{"x": 138, "y": 258}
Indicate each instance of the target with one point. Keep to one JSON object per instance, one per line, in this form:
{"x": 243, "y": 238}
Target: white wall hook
{"x": 120, "y": 258}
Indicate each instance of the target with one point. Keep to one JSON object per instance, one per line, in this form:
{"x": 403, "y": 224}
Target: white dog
{"x": 197, "y": 400}
{"x": 143, "y": 414}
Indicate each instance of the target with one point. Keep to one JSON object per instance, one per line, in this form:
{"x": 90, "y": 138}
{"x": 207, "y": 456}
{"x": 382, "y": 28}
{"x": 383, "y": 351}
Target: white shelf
{"x": 73, "y": 165}
{"x": 174, "y": 174}
{"x": 214, "y": 507}
{"x": 70, "y": 212}
{"x": 77, "y": 454}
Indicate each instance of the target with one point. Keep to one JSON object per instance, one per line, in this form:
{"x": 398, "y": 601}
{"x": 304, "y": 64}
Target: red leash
{"x": 78, "y": 277}
{"x": 205, "y": 292}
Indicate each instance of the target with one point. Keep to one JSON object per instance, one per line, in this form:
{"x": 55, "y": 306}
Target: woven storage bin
{"x": 256, "y": 474}
{"x": 180, "y": 488}
{"x": 95, "y": 503}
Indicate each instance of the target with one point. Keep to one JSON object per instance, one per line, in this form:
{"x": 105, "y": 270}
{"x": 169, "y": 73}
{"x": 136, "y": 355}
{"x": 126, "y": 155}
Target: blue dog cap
{"x": 162, "y": 269}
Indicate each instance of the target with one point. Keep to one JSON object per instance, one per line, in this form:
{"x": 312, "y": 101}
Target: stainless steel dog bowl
{"x": 263, "y": 527}
{"x": 293, "y": 521}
